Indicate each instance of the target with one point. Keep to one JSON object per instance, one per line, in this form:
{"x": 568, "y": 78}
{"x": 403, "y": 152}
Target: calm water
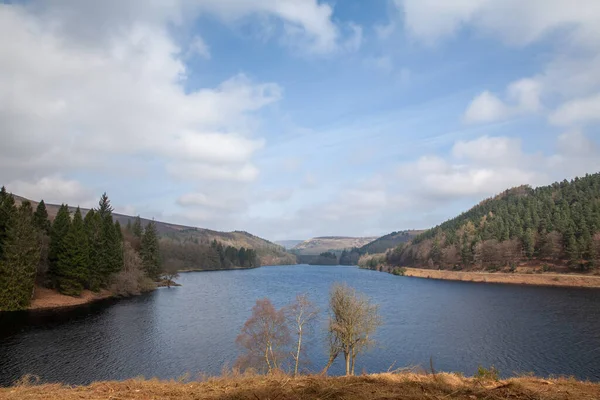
{"x": 192, "y": 329}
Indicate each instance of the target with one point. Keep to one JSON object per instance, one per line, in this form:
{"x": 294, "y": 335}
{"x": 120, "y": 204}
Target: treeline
{"x": 557, "y": 224}
{"x": 193, "y": 254}
{"x": 385, "y": 242}
{"x": 70, "y": 254}
{"x": 325, "y": 258}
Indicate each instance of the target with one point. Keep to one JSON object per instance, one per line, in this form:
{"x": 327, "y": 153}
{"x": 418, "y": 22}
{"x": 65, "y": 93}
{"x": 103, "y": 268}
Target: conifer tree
{"x": 20, "y": 259}
{"x": 150, "y": 252}
{"x": 118, "y": 247}
{"x": 7, "y": 211}
{"x": 73, "y": 261}
{"x": 60, "y": 229}
{"x": 40, "y": 218}
{"x": 529, "y": 242}
{"x": 109, "y": 260}
{"x": 118, "y": 230}
{"x": 104, "y": 207}
{"x": 137, "y": 229}
{"x": 93, "y": 230}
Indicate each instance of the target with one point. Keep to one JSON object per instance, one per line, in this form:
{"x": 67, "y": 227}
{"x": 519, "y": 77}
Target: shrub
{"x": 131, "y": 280}
{"x": 399, "y": 271}
{"x": 487, "y": 374}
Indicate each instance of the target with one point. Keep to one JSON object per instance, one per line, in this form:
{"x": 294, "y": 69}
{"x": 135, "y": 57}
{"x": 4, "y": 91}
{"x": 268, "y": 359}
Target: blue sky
{"x": 296, "y": 118}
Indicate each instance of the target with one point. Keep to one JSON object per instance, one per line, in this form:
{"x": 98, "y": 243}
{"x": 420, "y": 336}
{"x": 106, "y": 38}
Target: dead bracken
{"x": 403, "y": 386}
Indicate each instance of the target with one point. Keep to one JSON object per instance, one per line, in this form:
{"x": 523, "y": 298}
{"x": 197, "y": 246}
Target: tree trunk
{"x": 347, "y": 358}
{"x": 353, "y": 361}
{"x": 267, "y": 359}
{"x": 332, "y": 358}
{"x": 298, "y": 352}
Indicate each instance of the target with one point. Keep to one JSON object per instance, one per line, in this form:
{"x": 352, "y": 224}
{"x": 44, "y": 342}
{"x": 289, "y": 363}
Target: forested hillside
{"x": 554, "y": 226}
{"x": 190, "y": 247}
{"x": 72, "y": 250}
{"x": 71, "y": 254}
{"x": 388, "y": 241}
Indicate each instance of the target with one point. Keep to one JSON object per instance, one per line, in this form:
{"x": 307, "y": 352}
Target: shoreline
{"x": 184, "y": 271}
{"x": 48, "y": 299}
{"x": 401, "y": 385}
{"x": 543, "y": 279}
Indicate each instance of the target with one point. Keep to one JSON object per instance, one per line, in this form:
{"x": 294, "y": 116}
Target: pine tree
{"x": 104, "y": 207}
{"x": 7, "y": 211}
{"x": 571, "y": 248}
{"x": 150, "y": 252}
{"x": 40, "y": 218}
{"x": 529, "y": 242}
{"x": 110, "y": 261}
{"x": 73, "y": 261}
{"x": 60, "y": 229}
{"x": 93, "y": 230}
{"x": 118, "y": 231}
{"x": 137, "y": 229}
{"x": 19, "y": 262}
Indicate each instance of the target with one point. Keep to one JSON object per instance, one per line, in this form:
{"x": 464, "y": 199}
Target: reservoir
{"x": 192, "y": 329}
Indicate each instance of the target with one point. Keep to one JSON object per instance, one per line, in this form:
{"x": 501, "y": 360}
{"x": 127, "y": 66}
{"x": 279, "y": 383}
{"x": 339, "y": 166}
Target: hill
{"x": 289, "y": 244}
{"x": 318, "y": 245}
{"x": 389, "y": 241}
{"x": 269, "y": 253}
{"x": 549, "y": 228}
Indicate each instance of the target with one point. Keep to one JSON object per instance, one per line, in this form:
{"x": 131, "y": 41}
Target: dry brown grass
{"x": 545, "y": 279}
{"x": 407, "y": 386}
{"x": 48, "y": 298}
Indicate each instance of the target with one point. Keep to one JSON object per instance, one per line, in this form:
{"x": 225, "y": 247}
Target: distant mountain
{"x": 288, "y": 244}
{"x": 318, "y": 245}
{"x": 268, "y": 252}
{"x": 389, "y": 241}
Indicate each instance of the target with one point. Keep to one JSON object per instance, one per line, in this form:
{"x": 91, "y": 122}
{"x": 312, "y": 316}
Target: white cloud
{"x": 522, "y": 97}
{"x": 486, "y": 107}
{"x": 578, "y": 111}
{"x": 486, "y": 149}
{"x": 570, "y": 77}
{"x": 202, "y": 200}
{"x": 54, "y": 189}
{"x": 213, "y": 172}
{"x": 514, "y": 21}
{"x": 488, "y": 165}
{"x": 97, "y": 101}
{"x": 198, "y": 46}
{"x": 91, "y": 21}
{"x": 355, "y": 40}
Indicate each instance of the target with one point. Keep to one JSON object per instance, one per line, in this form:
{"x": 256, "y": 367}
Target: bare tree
{"x": 264, "y": 337}
{"x": 301, "y": 315}
{"x": 171, "y": 270}
{"x": 352, "y": 321}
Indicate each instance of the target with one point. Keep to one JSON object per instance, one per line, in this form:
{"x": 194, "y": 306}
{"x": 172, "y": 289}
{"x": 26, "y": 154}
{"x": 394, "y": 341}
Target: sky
{"x": 292, "y": 119}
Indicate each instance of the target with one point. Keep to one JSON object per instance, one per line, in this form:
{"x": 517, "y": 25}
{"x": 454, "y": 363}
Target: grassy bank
{"x": 407, "y": 386}
{"x": 543, "y": 279}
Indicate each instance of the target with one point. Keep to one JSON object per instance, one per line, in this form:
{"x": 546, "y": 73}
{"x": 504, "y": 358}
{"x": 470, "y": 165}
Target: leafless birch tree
{"x": 301, "y": 315}
{"x": 352, "y": 321}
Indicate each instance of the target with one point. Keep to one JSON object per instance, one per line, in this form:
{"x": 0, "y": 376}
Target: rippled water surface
{"x": 192, "y": 328}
